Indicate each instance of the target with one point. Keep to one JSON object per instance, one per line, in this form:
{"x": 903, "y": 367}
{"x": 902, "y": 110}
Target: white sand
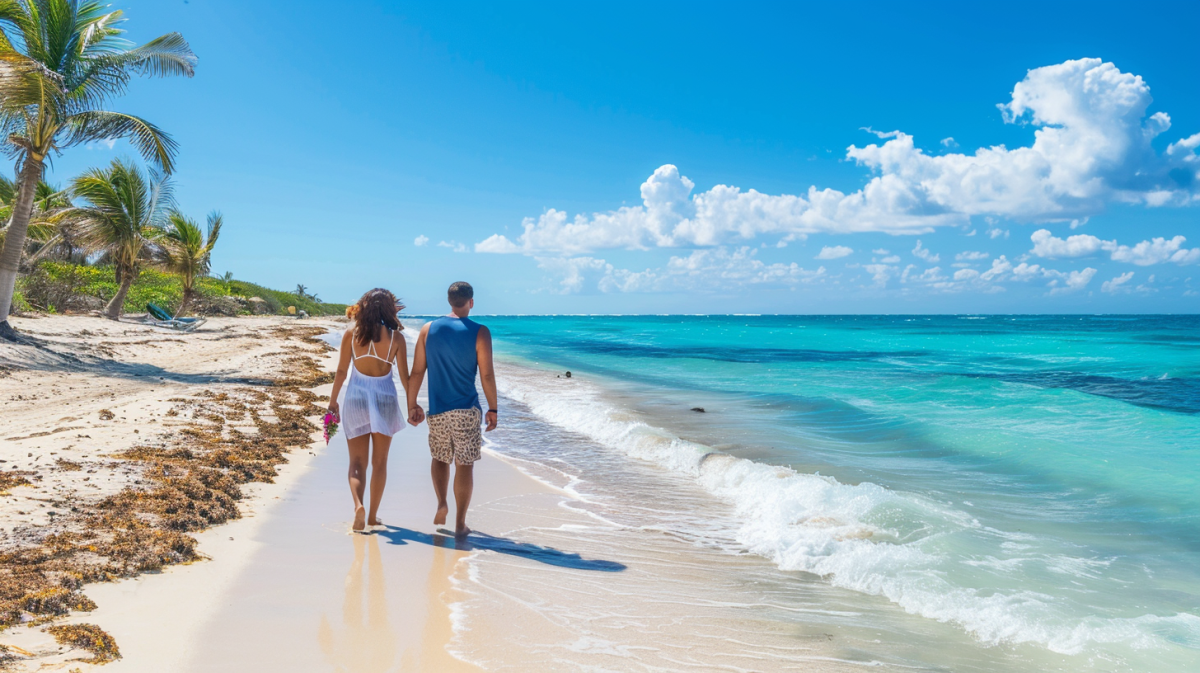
{"x": 55, "y": 396}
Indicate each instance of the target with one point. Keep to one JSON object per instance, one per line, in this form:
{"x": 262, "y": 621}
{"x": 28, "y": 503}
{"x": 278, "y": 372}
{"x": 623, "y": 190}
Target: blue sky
{"x": 551, "y": 146}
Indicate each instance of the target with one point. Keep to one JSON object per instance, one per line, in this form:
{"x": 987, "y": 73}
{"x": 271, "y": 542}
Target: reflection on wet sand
{"x": 361, "y": 646}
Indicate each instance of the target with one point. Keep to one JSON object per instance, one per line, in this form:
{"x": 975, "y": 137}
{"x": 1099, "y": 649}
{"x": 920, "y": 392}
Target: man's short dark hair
{"x": 460, "y": 293}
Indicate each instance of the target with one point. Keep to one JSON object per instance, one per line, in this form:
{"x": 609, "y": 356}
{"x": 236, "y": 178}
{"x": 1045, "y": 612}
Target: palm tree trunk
{"x": 113, "y": 310}
{"x": 14, "y": 239}
{"x": 183, "y": 303}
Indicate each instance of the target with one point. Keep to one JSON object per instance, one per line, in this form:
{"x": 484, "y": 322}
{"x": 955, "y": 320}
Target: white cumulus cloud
{"x": 1092, "y": 147}
{"x": 834, "y": 252}
{"x": 420, "y": 240}
{"x": 971, "y": 256}
{"x": 1046, "y": 244}
{"x": 921, "y": 252}
{"x": 1146, "y": 253}
{"x": 1117, "y": 284}
{"x": 453, "y": 245}
{"x": 714, "y": 269}
{"x": 1156, "y": 251}
{"x": 1072, "y": 281}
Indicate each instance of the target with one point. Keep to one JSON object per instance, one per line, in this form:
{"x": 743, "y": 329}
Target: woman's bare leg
{"x": 360, "y": 451}
{"x": 379, "y": 456}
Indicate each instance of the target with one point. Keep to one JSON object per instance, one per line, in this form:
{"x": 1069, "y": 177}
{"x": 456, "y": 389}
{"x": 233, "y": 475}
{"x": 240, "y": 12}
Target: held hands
{"x": 492, "y": 419}
{"x": 415, "y": 415}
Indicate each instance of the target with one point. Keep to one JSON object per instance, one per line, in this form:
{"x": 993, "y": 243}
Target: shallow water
{"x": 959, "y": 493}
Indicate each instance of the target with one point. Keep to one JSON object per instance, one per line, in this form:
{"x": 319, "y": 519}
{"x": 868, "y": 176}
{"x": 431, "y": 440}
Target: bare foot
{"x": 360, "y": 517}
{"x": 374, "y": 521}
{"x": 440, "y": 518}
{"x": 462, "y": 531}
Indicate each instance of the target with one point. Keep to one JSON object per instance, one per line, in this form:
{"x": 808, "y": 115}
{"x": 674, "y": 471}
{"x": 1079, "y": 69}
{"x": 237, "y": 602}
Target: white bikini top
{"x": 371, "y": 352}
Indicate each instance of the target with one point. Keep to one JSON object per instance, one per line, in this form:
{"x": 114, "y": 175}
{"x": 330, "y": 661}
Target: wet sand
{"x": 317, "y": 597}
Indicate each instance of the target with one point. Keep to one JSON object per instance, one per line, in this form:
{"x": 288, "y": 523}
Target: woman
{"x": 370, "y": 413}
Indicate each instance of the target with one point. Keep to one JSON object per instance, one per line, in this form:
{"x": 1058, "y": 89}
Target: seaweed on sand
{"x": 187, "y": 483}
{"x": 87, "y": 637}
{"x": 13, "y": 479}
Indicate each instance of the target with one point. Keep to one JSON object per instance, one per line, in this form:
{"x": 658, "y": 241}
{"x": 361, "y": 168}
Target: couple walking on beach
{"x": 453, "y": 349}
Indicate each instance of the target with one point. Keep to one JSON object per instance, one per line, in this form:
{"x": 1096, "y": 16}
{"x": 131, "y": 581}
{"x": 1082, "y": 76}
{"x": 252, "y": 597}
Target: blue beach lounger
{"x": 160, "y": 318}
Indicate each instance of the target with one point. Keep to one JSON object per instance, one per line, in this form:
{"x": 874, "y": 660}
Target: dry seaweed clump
{"x": 7, "y": 657}
{"x": 68, "y": 465}
{"x": 188, "y": 482}
{"x": 87, "y": 637}
{"x": 11, "y": 480}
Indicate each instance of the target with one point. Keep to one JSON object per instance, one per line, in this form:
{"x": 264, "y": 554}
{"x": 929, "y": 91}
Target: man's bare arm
{"x": 487, "y": 373}
{"x": 415, "y": 413}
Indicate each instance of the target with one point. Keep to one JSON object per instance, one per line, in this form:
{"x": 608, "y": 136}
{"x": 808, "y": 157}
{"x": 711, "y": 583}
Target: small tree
{"x": 184, "y": 250}
{"x": 124, "y": 215}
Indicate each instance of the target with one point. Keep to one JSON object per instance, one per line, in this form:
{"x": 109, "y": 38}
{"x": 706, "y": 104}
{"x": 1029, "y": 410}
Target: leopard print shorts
{"x": 456, "y": 436}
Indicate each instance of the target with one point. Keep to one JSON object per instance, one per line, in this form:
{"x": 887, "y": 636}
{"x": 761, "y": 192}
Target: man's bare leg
{"x": 441, "y": 483}
{"x": 464, "y": 485}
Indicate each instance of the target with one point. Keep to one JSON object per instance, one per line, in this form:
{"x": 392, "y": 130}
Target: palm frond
{"x": 8, "y": 191}
{"x": 153, "y": 144}
{"x": 215, "y": 220}
{"x": 163, "y": 56}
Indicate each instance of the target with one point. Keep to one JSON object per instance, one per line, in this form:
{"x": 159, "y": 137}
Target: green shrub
{"x": 19, "y": 305}
{"x": 57, "y": 288}
{"x": 279, "y": 301}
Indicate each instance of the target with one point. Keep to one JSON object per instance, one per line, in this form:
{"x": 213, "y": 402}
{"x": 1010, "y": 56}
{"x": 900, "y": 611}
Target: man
{"x": 454, "y": 349}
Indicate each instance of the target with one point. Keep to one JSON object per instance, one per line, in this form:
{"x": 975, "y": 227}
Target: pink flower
{"x": 331, "y": 426}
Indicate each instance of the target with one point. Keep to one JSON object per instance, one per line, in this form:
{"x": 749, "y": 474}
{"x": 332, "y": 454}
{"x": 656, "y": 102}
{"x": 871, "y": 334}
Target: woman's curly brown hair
{"x": 375, "y": 310}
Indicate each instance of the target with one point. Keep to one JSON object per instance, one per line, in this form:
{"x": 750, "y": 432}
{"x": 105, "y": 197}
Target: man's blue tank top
{"x": 450, "y": 356}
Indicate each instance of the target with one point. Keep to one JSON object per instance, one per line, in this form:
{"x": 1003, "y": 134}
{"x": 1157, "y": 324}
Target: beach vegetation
{"x": 63, "y": 287}
{"x": 186, "y": 251}
{"x": 125, "y": 213}
{"x": 61, "y": 61}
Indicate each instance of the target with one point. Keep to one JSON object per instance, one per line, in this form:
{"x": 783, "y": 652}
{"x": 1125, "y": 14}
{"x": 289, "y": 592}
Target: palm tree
{"x": 60, "y": 62}
{"x": 124, "y": 215}
{"x": 184, "y": 250}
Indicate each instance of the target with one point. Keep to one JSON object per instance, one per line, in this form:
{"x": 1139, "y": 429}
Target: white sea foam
{"x": 862, "y": 537}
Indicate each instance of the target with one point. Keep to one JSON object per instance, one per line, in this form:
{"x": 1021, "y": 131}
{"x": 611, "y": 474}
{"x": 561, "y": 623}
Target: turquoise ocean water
{"x": 1021, "y": 492}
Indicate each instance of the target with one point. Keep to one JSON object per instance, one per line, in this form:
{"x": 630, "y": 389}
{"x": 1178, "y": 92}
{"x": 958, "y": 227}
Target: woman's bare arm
{"x": 344, "y": 358}
{"x": 402, "y": 363}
